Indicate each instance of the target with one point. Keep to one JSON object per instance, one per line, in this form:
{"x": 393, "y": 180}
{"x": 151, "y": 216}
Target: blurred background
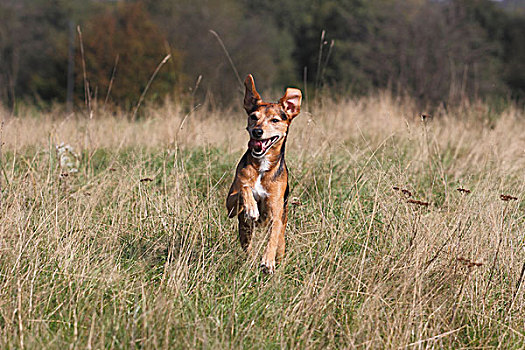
{"x": 437, "y": 52}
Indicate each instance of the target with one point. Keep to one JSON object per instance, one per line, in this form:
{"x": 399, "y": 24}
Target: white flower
{"x": 68, "y": 159}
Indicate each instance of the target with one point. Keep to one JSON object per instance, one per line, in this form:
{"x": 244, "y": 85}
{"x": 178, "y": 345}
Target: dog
{"x": 259, "y": 192}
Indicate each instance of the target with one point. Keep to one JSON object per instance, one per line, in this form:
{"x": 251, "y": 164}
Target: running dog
{"x": 259, "y": 192}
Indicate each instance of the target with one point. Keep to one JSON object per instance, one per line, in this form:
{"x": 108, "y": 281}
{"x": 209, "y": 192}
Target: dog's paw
{"x": 251, "y": 212}
{"x": 268, "y": 266}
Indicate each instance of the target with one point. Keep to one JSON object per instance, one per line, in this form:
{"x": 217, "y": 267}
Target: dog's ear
{"x": 251, "y": 97}
{"x": 291, "y": 102}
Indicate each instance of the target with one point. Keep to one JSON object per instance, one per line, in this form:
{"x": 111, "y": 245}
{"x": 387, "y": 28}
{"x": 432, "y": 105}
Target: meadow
{"x": 403, "y": 231}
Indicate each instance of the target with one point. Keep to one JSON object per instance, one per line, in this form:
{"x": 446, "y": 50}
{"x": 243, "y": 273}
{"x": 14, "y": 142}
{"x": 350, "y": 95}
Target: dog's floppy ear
{"x": 291, "y": 102}
{"x": 251, "y": 96}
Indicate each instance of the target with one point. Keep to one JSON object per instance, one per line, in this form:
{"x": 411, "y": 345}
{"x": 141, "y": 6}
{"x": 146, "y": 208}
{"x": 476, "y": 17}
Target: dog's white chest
{"x": 259, "y": 192}
{"x": 264, "y": 166}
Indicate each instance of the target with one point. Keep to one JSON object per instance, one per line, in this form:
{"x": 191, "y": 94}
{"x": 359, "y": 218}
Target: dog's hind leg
{"x": 281, "y": 244}
{"x": 281, "y": 241}
{"x": 275, "y": 241}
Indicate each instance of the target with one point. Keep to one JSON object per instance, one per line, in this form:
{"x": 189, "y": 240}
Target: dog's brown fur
{"x": 260, "y": 188}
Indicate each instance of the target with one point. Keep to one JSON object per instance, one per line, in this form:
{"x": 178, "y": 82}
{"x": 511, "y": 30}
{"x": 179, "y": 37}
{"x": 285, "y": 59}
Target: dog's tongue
{"x": 256, "y": 145}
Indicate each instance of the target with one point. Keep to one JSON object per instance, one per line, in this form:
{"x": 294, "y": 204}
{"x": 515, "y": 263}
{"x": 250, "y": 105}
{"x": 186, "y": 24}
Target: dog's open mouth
{"x": 260, "y": 147}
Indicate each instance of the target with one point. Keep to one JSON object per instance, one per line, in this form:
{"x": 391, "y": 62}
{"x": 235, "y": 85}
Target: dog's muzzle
{"x": 260, "y": 147}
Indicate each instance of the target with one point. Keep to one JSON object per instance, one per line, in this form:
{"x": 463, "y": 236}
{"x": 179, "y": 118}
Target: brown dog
{"x": 260, "y": 188}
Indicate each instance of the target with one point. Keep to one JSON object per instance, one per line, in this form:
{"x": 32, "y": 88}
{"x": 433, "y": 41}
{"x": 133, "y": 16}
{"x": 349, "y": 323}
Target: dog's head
{"x": 268, "y": 122}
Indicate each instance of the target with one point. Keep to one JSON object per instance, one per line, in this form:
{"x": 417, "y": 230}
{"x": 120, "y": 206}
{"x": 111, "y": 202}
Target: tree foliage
{"x": 122, "y": 48}
{"x": 437, "y": 51}
{"x": 32, "y": 56}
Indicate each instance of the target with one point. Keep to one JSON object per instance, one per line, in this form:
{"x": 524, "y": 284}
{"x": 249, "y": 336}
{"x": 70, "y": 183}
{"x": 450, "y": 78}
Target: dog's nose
{"x": 257, "y": 133}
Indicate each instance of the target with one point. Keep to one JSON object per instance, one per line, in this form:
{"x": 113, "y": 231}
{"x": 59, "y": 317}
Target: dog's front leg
{"x": 247, "y": 218}
{"x": 245, "y": 232}
{"x": 276, "y": 239}
{"x": 251, "y": 212}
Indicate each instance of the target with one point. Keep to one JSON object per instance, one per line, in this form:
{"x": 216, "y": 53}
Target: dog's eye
{"x": 253, "y": 117}
{"x": 275, "y": 120}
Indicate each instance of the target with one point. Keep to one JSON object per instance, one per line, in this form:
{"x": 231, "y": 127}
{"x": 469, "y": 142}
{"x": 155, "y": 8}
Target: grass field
{"x": 126, "y": 244}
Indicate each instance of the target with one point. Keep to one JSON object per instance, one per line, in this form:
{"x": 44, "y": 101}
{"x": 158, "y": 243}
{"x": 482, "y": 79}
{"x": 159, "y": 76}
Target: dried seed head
{"x": 469, "y": 263}
{"x": 425, "y": 117}
{"x": 421, "y": 203}
{"x": 506, "y": 197}
{"x": 296, "y": 201}
{"x": 406, "y": 192}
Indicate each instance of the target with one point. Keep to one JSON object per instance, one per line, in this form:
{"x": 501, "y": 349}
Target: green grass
{"x": 101, "y": 259}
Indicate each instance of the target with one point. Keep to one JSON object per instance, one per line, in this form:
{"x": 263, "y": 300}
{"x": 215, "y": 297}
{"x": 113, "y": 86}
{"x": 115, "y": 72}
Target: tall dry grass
{"x": 133, "y": 249}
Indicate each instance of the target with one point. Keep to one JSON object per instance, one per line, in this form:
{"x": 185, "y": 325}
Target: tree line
{"x": 436, "y": 51}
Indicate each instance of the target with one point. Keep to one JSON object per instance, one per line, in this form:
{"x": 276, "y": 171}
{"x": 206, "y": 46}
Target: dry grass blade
{"x": 214, "y": 33}
{"x": 111, "y": 80}
{"x": 87, "y": 90}
{"x": 143, "y": 94}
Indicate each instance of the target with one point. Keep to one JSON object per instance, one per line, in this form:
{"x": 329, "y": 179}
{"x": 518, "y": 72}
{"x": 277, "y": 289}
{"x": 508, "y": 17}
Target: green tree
{"x": 254, "y": 44}
{"x": 514, "y": 56}
{"x": 123, "y": 47}
{"x": 33, "y": 55}
{"x": 435, "y": 51}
